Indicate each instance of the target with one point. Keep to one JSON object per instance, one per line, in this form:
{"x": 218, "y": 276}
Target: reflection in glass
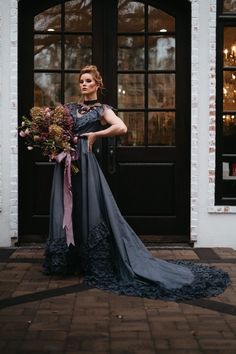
{"x": 229, "y": 133}
{"x": 47, "y": 51}
{"x": 229, "y": 46}
{"x": 229, "y": 90}
{"x": 161, "y": 53}
{"x": 161, "y": 128}
{"x": 135, "y": 124}
{"x": 78, "y": 16}
{"x": 161, "y": 91}
{"x": 229, "y": 6}
{"x": 48, "y": 20}
{"x": 78, "y": 51}
{"x": 229, "y": 170}
{"x": 130, "y": 16}
{"x": 131, "y": 52}
{"x": 130, "y": 90}
{"x": 159, "y": 21}
{"x": 47, "y": 89}
{"x": 72, "y": 92}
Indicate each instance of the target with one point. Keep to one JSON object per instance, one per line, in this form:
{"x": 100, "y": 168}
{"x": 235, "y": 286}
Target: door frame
{"x": 27, "y": 9}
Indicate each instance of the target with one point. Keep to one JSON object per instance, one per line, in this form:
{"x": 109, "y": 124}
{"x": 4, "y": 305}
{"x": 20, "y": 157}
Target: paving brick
{"x": 94, "y": 321}
{"x": 132, "y": 344}
{"x": 81, "y": 342}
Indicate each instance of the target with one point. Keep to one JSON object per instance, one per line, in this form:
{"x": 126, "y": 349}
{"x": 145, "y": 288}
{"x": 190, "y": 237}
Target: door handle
{"x": 111, "y": 159}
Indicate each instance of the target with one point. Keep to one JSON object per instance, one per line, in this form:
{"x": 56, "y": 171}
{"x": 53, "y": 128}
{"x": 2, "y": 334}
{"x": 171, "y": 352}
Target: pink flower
{"x": 47, "y": 112}
{"x": 22, "y": 134}
{"x": 75, "y": 139}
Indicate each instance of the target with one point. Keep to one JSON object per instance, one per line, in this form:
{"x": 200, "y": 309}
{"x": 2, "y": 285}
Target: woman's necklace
{"x": 90, "y": 102}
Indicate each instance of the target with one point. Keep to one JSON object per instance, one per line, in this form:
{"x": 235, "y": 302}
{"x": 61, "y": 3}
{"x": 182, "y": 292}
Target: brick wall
{"x": 195, "y": 121}
{"x": 8, "y": 122}
{"x": 13, "y": 114}
{"x": 212, "y": 115}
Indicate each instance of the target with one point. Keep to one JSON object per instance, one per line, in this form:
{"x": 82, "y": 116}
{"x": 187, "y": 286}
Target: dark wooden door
{"x": 143, "y": 52}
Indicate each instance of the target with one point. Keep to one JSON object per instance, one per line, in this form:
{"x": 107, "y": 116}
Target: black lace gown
{"x": 107, "y": 250}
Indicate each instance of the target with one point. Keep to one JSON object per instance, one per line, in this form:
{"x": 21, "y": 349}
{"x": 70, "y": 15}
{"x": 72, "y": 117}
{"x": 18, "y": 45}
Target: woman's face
{"x": 88, "y": 85}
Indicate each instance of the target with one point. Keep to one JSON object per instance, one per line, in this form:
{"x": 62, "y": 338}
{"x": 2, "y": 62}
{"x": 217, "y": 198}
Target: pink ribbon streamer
{"x": 67, "y": 197}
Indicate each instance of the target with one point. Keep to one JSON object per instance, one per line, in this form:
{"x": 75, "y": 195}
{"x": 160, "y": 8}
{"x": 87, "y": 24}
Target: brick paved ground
{"x": 41, "y": 314}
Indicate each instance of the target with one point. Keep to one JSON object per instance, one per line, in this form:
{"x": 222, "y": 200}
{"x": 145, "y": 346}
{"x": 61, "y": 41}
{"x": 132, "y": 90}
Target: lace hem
{"x": 208, "y": 281}
{"x": 96, "y": 255}
{"x": 60, "y": 259}
{"x": 98, "y": 264}
{"x": 100, "y": 272}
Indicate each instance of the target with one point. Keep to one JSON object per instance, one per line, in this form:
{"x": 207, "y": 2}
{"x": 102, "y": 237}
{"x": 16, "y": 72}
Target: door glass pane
{"x": 135, "y": 124}
{"x": 159, "y": 21}
{"x": 48, "y": 20}
{"x": 72, "y": 92}
{"x": 230, "y": 46}
{"x": 161, "y": 128}
{"x": 229, "y": 134}
{"x": 47, "y": 89}
{"x": 47, "y": 51}
{"x": 161, "y": 91}
{"x": 131, "y": 52}
{"x": 229, "y": 90}
{"x": 78, "y": 51}
{"x": 161, "y": 53}
{"x": 229, "y": 6}
{"x": 78, "y": 16}
{"x": 130, "y": 90}
{"x": 130, "y": 16}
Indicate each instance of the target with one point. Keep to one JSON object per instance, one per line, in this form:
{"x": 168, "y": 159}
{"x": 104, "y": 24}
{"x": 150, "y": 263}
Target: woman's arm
{"x": 117, "y": 127}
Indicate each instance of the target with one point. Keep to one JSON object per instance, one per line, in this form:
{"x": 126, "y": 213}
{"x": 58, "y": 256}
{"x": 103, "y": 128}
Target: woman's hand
{"x": 91, "y": 139}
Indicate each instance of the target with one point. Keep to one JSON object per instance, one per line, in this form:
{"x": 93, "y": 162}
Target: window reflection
{"x": 229, "y": 90}
{"x": 47, "y": 52}
{"x": 229, "y": 46}
{"x": 131, "y": 52}
{"x": 161, "y": 53}
{"x": 72, "y": 92}
{"x": 78, "y": 16}
{"x": 161, "y": 91}
{"x": 159, "y": 21}
{"x": 229, "y": 170}
{"x": 229, "y": 6}
{"x": 161, "y": 128}
{"x": 48, "y": 20}
{"x": 47, "y": 89}
{"x": 130, "y": 16}
{"x": 78, "y": 51}
{"x": 135, "y": 124}
{"x": 130, "y": 90}
{"x": 229, "y": 133}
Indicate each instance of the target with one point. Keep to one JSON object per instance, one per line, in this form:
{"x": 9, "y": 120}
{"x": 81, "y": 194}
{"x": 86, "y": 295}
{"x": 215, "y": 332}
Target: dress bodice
{"x": 87, "y": 118}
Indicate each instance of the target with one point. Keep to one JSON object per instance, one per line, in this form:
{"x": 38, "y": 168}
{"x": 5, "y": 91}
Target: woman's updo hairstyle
{"x": 92, "y": 70}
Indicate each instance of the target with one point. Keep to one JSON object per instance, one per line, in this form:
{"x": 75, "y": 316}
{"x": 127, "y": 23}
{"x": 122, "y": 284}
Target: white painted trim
{"x": 195, "y": 121}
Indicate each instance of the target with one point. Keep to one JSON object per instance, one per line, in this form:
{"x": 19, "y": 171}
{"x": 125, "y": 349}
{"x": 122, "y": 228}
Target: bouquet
{"x": 51, "y": 131}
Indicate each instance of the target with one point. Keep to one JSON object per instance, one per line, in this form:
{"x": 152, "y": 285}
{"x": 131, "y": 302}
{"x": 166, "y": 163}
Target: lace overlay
{"x": 60, "y": 259}
{"x": 96, "y": 255}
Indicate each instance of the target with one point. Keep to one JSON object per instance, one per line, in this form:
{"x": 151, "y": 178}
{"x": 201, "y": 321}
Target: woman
{"x": 104, "y": 247}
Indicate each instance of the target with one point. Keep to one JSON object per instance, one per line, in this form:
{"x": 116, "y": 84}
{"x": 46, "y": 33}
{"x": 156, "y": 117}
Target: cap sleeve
{"x": 103, "y": 107}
